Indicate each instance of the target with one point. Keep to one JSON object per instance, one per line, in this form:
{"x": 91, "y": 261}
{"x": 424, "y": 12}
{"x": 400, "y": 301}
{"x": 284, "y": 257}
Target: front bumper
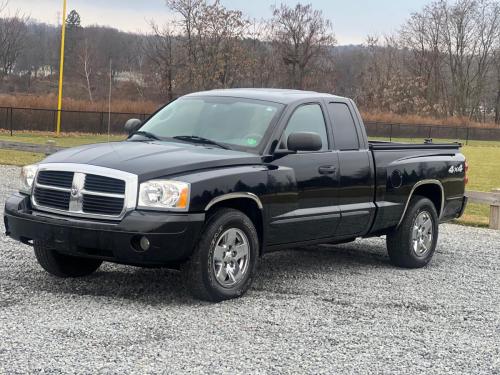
{"x": 172, "y": 236}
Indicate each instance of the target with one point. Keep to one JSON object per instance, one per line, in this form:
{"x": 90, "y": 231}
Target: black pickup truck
{"x": 215, "y": 179}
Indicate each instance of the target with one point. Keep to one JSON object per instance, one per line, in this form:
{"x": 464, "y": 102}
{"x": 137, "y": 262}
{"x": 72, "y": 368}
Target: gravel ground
{"x": 327, "y": 309}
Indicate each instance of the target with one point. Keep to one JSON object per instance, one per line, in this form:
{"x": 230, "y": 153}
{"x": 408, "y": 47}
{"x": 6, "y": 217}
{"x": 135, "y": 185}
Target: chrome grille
{"x": 84, "y": 190}
{"x": 102, "y": 205}
{"x": 104, "y": 184}
{"x": 55, "y": 178}
{"x": 52, "y": 198}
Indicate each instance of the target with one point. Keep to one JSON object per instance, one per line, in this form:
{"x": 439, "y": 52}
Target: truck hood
{"x": 153, "y": 159}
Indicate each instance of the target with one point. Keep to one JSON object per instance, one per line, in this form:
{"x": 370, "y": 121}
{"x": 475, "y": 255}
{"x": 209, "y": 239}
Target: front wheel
{"x": 413, "y": 243}
{"x": 223, "y": 263}
{"x": 61, "y": 265}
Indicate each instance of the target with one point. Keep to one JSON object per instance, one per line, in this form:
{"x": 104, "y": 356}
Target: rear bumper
{"x": 464, "y": 206}
{"x": 172, "y": 236}
{"x": 454, "y": 208}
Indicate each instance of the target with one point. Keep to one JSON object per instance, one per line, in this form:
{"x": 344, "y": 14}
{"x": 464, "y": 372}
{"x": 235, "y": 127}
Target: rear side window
{"x": 344, "y": 128}
{"x": 307, "y": 118}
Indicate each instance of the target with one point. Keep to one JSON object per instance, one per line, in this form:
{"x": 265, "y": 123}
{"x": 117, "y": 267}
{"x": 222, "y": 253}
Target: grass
{"x": 476, "y": 215}
{"x": 482, "y": 156}
{"x": 12, "y": 157}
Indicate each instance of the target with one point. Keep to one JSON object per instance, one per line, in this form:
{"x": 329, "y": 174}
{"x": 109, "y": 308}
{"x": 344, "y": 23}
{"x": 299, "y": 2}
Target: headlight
{"x": 164, "y": 194}
{"x": 27, "y": 177}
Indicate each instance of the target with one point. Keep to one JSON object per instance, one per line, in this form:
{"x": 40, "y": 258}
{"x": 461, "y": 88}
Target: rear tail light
{"x": 466, "y": 168}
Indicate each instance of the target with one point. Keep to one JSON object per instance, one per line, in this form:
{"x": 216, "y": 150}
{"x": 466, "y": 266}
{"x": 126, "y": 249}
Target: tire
{"x": 410, "y": 245}
{"x": 207, "y": 273}
{"x": 61, "y": 265}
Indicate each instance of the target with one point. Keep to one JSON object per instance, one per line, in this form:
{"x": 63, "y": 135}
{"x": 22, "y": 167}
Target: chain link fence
{"x": 465, "y": 135}
{"x": 44, "y": 120}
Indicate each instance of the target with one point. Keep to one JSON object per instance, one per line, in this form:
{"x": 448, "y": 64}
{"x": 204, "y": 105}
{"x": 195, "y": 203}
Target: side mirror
{"x": 304, "y": 141}
{"x": 132, "y": 125}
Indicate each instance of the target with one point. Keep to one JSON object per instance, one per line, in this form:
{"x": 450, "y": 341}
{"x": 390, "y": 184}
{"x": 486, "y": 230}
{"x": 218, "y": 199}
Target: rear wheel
{"x": 413, "y": 243}
{"x": 61, "y": 265}
{"x": 223, "y": 264}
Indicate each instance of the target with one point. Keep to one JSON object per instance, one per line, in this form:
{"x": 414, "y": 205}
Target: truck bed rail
{"x": 381, "y": 145}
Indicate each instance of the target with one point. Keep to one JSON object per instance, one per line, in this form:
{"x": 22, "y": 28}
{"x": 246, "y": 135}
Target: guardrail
{"x": 493, "y": 200}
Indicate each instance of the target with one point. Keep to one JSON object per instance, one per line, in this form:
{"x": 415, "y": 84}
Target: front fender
{"x": 238, "y": 182}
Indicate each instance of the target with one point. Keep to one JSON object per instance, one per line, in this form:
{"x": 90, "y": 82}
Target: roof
{"x": 273, "y": 95}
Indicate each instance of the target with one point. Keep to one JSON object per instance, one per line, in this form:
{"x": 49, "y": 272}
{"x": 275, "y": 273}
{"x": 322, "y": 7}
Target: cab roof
{"x": 282, "y": 96}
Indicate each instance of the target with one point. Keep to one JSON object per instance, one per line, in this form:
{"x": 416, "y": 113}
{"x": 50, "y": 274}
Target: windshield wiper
{"x": 201, "y": 140}
{"x": 146, "y": 134}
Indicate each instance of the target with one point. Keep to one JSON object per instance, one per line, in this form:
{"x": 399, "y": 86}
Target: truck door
{"x": 315, "y": 213}
{"x": 356, "y": 185}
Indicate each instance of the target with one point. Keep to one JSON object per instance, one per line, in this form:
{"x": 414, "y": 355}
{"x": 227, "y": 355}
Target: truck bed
{"x": 400, "y": 167}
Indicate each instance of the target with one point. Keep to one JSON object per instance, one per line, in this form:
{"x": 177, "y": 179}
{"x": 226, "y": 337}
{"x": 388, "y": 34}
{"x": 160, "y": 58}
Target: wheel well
{"x": 250, "y": 208}
{"x": 433, "y": 193}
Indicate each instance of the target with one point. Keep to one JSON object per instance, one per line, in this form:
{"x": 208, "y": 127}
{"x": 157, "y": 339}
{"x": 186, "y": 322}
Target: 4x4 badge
{"x": 456, "y": 169}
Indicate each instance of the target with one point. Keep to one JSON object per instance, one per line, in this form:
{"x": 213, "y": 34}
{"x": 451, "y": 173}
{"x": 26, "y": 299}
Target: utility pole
{"x": 61, "y": 69}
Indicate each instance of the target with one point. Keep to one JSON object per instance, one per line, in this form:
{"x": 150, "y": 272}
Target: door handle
{"x": 327, "y": 169}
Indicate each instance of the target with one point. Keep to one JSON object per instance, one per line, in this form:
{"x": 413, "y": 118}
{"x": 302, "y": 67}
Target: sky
{"x": 352, "y": 20}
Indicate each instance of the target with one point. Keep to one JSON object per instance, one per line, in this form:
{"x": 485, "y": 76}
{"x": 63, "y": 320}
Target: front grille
{"x": 55, "y": 178}
{"x": 104, "y": 184}
{"x": 52, "y": 198}
{"x": 95, "y": 204}
{"x": 83, "y": 194}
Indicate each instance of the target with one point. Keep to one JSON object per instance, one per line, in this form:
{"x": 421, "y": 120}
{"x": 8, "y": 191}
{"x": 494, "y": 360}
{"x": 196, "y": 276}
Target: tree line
{"x": 444, "y": 61}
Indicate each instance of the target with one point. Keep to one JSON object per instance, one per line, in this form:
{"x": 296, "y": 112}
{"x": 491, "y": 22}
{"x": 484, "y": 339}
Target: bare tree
{"x": 301, "y": 35}
{"x": 262, "y": 65}
{"x": 421, "y": 35}
{"x": 219, "y": 32}
{"x": 12, "y": 37}
{"x": 444, "y": 56}
{"x": 159, "y": 48}
{"x": 188, "y": 10}
{"x": 86, "y": 58}
{"x": 136, "y": 65}
{"x": 469, "y": 33}
{"x": 213, "y": 36}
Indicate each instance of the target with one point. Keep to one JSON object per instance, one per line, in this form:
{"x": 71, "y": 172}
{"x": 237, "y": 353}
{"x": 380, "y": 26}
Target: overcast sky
{"x": 352, "y": 20}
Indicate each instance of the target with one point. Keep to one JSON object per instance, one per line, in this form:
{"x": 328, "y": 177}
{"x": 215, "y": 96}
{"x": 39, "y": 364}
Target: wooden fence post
{"x": 495, "y": 212}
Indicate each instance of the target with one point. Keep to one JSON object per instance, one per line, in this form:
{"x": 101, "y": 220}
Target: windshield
{"x": 232, "y": 121}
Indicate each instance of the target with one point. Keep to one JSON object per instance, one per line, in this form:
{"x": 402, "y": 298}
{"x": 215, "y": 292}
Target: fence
{"x": 34, "y": 119}
{"x": 31, "y": 119}
{"x": 459, "y": 133}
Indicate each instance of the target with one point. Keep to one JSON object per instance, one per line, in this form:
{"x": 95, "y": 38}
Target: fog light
{"x": 144, "y": 243}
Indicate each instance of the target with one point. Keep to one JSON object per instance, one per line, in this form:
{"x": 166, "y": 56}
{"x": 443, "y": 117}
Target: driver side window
{"x": 306, "y": 118}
